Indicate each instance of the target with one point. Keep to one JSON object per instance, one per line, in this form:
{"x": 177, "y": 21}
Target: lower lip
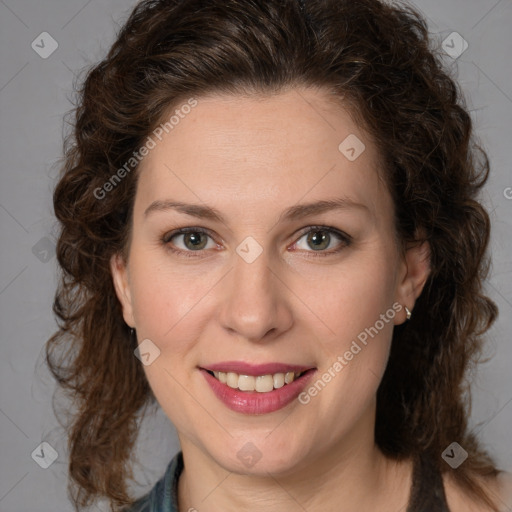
{"x": 253, "y": 402}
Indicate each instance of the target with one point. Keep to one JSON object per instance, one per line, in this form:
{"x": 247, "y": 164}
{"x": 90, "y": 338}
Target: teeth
{"x": 278, "y": 380}
{"x": 246, "y": 382}
{"x": 232, "y": 380}
{"x": 261, "y": 383}
{"x": 264, "y": 383}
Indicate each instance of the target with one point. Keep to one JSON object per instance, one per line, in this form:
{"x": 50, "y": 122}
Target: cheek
{"x": 168, "y": 303}
{"x": 354, "y": 359}
{"x": 165, "y": 309}
{"x": 158, "y": 297}
{"x": 350, "y": 299}
{"x": 356, "y": 308}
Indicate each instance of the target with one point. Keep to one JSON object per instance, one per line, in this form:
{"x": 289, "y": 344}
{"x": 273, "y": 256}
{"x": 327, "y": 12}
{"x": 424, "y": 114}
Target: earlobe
{"x": 416, "y": 270}
{"x": 119, "y": 273}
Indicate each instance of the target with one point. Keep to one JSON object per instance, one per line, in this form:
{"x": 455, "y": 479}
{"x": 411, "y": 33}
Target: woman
{"x": 270, "y": 227}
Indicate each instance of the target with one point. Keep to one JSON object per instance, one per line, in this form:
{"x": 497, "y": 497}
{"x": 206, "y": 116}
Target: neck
{"x": 352, "y": 475}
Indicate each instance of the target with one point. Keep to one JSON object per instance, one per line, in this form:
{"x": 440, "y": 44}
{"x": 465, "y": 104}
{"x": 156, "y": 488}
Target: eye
{"x": 320, "y": 238}
{"x": 188, "y": 240}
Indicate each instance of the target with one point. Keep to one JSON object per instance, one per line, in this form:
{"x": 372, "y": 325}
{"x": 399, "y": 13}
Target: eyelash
{"x": 344, "y": 238}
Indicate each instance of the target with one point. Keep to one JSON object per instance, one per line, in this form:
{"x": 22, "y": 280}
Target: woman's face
{"x": 263, "y": 279}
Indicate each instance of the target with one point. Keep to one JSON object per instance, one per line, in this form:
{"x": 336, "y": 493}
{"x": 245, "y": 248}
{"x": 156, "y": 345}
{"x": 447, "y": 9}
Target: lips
{"x": 256, "y": 389}
{"x": 262, "y": 378}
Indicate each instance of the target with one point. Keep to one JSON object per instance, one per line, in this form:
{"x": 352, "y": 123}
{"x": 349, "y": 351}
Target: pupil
{"x": 194, "y": 239}
{"x": 319, "y": 241}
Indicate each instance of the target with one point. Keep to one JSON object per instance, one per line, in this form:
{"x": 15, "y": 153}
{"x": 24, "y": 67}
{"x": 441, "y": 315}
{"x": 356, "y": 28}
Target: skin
{"x": 251, "y": 158}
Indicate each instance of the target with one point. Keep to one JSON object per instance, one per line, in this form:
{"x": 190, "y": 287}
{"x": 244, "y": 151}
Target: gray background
{"x": 34, "y": 96}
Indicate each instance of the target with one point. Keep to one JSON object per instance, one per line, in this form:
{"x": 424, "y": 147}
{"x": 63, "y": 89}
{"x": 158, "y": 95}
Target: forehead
{"x": 270, "y": 149}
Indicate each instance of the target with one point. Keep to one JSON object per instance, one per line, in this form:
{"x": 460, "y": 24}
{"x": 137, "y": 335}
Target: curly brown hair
{"x": 377, "y": 59}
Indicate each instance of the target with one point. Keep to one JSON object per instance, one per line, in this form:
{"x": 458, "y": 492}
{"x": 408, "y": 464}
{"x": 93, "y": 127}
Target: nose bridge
{"x": 255, "y": 304}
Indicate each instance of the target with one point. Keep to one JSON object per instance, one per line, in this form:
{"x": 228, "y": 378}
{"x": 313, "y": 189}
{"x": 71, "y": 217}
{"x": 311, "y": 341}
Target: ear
{"x": 120, "y": 277}
{"x": 413, "y": 274}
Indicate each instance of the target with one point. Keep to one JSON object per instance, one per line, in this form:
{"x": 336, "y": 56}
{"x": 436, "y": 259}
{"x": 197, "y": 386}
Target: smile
{"x": 259, "y": 383}
{"x": 257, "y": 389}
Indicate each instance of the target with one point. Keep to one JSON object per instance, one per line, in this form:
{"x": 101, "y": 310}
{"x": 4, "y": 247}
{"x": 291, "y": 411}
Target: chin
{"x": 252, "y": 458}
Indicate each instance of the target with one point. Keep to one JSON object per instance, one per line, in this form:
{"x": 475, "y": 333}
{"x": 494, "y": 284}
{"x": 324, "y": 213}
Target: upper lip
{"x": 255, "y": 369}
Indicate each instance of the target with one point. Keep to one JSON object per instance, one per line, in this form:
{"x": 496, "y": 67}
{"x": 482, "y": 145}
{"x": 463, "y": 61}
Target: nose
{"x": 255, "y": 301}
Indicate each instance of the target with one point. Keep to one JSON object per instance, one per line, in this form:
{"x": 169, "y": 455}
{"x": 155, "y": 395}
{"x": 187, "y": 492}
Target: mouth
{"x": 259, "y": 383}
{"x": 259, "y": 389}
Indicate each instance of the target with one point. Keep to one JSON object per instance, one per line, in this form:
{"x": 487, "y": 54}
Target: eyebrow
{"x": 298, "y": 211}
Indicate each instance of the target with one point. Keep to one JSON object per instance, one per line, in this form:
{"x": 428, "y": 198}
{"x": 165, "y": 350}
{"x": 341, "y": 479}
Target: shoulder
{"x": 499, "y": 488}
